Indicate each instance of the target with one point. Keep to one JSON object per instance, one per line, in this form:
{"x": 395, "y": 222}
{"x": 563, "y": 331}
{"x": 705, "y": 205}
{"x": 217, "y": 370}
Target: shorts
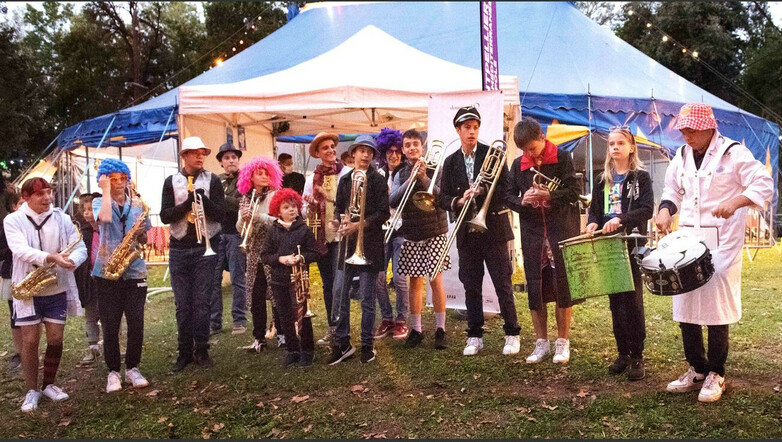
{"x": 50, "y": 309}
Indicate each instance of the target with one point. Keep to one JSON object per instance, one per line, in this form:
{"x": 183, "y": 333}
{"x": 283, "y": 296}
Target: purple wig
{"x": 244, "y": 184}
{"x": 385, "y": 139}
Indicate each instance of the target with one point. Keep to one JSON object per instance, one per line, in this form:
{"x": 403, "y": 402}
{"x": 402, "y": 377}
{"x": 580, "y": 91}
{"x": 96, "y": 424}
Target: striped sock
{"x": 439, "y": 319}
{"x": 415, "y": 322}
{"x": 51, "y": 362}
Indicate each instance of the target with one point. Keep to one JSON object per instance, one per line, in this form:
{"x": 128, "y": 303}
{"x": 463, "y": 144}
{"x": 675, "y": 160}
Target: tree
{"x": 223, "y": 19}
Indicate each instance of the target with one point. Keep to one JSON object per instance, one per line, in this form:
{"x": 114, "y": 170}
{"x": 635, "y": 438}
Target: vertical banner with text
{"x": 489, "y": 66}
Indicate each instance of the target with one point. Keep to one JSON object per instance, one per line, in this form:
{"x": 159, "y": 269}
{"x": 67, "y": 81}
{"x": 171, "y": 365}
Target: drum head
{"x": 670, "y": 258}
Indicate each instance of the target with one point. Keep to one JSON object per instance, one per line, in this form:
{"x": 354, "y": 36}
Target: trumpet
{"x": 422, "y": 200}
{"x": 197, "y": 216}
{"x": 357, "y": 203}
{"x": 491, "y": 170}
{"x": 247, "y": 226}
{"x": 300, "y": 279}
{"x": 313, "y": 221}
{"x": 540, "y": 180}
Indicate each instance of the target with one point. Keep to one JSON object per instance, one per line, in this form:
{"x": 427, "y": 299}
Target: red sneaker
{"x": 401, "y": 331}
{"x": 386, "y": 327}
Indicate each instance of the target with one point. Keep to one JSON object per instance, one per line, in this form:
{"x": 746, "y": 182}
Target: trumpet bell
{"x": 209, "y": 252}
{"x": 424, "y": 201}
{"x": 358, "y": 260}
{"x": 478, "y": 224}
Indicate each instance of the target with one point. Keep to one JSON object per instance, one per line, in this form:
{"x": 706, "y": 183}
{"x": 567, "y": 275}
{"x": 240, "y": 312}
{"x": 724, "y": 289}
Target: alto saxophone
{"x": 129, "y": 249}
{"x": 42, "y": 277}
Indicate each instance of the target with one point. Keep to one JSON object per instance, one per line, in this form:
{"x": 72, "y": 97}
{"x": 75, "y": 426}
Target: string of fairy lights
{"x": 695, "y": 55}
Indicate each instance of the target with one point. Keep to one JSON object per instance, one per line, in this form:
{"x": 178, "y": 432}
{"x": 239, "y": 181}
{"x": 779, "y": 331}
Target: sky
{"x": 775, "y": 8}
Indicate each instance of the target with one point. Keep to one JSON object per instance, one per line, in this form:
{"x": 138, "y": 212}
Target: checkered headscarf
{"x": 697, "y": 116}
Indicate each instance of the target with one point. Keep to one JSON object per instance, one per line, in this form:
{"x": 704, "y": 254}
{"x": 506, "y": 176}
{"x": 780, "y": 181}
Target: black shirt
{"x": 295, "y": 181}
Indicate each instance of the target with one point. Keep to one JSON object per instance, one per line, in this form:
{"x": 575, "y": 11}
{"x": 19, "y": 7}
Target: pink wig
{"x": 272, "y": 168}
{"x": 284, "y": 196}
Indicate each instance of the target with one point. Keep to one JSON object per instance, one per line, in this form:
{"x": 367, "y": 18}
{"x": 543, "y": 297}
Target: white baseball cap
{"x": 193, "y": 143}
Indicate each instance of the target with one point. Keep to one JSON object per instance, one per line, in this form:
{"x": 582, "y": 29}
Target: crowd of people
{"x": 265, "y": 224}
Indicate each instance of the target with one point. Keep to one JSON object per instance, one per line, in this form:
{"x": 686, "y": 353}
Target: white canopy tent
{"x": 370, "y": 81}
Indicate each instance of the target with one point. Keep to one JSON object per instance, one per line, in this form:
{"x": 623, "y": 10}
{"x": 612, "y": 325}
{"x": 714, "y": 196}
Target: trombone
{"x": 491, "y": 170}
{"x": 247, "y": 226}
{"x": 433, "y": 160}
{"x": 197, "y": 216}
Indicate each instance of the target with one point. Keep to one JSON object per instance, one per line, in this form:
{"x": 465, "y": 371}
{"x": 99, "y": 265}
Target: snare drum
{"x": 597, "y": 266}
{"x": 680, "y": 264}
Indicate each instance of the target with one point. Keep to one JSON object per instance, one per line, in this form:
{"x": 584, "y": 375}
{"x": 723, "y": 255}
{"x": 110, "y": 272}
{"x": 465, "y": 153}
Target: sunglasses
{"x": 613, "y": 128}
{"x": 394, "y": 152}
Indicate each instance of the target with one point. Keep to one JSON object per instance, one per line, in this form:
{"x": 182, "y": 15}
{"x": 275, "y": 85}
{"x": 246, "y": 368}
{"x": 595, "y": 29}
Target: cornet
{"x": 197, "y": 216}
{"x": 540, "y": 180}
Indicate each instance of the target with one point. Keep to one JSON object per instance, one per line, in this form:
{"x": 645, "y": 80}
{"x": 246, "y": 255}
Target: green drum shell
{"x": 597, "y": 266}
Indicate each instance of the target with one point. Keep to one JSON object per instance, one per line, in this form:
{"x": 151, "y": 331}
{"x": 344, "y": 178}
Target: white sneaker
{"x": 562, "y": 351}
{"x": 55, "y": 393}
{"x": 134, "y": 377}
{"x": 93, "y": 353}
{"x": 542, "y": 348}
{"x": 712, "y": 388}
{"x": 31, "y": 401}
{"x": 280, "y": 340}
{"x": 689, "y": 381}
{"x": 255, "y": 346}
{"x": 512, "y": 345}
{"x": 474, "y": 345}
{"x": 114, "y": 383}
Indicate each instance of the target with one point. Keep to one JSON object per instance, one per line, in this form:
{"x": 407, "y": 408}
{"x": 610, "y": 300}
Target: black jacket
{"x": 418, "y": 225}
{"x": 6, "y": 256}
{"x": 230, "y": 202}
{"x": 281, "y": 242}
{"x": 640, "y": 210}
{"x": 453, "y": 185}
{"x": 376, "y": 213}
{"x": 560, "y": 222}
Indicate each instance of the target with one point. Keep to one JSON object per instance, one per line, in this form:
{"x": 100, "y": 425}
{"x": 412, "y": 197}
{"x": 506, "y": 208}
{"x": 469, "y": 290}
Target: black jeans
{"x": 627, "y": 314}
{"x": 692, "y": 338}
{"x": 326, "y": 267}
{"x": 476, "y": 249}
{"x": 115, "y": 299}
{"x": 258, "y": 304}
{"x": 287, "y": 309}
{"x": 191, "y": 281}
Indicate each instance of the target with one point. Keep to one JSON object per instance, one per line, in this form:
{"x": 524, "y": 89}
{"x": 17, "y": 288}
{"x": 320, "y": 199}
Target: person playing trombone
{"x": 259, "y": 179}
{"x": 424, "y": 233}
{"x": 191, "y": 258}
{"x": 460, "y": 171}
{"x": 546, "y": 217}
{"x": 362, "y": 196}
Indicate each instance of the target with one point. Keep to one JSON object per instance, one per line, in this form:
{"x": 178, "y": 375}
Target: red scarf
{"x": 549, "y": 156}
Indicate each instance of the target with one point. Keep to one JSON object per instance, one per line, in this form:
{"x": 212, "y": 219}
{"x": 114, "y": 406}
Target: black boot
{"x": 620, "y": 364}
{"x": 636, "y": 372}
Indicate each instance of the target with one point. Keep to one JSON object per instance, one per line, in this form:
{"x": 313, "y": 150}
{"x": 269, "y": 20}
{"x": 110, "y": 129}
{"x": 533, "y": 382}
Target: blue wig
{"x": 110, "y": 165}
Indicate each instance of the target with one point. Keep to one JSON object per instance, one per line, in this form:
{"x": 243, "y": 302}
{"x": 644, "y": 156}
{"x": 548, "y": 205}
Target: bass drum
{"x": 681, "y": 263}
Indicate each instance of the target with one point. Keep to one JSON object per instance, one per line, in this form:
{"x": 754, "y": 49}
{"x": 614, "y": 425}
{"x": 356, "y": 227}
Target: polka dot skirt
{"x": 420, "y": 258}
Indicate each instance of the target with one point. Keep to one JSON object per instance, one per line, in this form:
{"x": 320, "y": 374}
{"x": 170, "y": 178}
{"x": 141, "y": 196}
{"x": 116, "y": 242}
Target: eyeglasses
{"x": 394, "y": 152}
{"x": 613, "y": 128}
{"x": 118, "y": 178}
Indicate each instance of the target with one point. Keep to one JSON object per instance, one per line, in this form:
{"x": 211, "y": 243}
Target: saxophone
{"x": 129, "y": 249}
{"x": 42, "y": 277}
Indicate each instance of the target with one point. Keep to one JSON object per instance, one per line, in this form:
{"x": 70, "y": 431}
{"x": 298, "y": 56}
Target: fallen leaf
{"x": 582, "y": 393}
{"x": 276, "y": 399}
{"x": 299, "y": 399}
{"x": 430, "y": 396}
{"x": 476, "y": 376}
{"x": 550, "y": 407}
{"x": 259, "y": 404}
{"x": 275, "y": 407}
{"x": 162, "y": 419}
{"x": 3, "y": 354}
{"x": 532, "y": 419}
{"x": 776, "y": 389}
{"x": 217, "y": 427}
{"x": 358, "y": 388}
{"x": 308, "y": 429}
{"x": 153, "y": 393}
{"x": 64, "y": 423}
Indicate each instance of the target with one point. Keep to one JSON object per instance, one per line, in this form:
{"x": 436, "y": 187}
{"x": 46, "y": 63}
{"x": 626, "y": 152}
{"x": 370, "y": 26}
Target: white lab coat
{"x": 696, "y": 193}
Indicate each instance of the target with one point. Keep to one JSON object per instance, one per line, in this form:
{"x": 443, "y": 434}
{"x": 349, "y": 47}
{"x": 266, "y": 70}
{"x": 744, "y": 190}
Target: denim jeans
{"x": 229, "y": 251}
{"x": 393, "y": 251}
{"x": 191, "y": 280}
{"x": 340, "y": 309}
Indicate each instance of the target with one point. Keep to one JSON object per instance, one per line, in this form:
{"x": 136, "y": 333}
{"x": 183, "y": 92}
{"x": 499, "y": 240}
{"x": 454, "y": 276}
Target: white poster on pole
{"x": 442, "y": 108}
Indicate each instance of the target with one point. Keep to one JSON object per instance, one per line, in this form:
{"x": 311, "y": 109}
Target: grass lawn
{"x": 422, "y": 392}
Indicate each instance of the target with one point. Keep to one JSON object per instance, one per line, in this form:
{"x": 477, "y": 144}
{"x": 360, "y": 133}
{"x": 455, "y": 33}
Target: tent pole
{"x": 160, "y": 140}
{"x": 87, "y": 161}
{"x": 590, "y": 167}
{"x": 43, "y": 153}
